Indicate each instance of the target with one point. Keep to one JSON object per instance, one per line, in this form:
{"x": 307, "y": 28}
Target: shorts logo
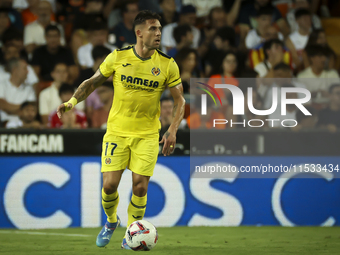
{"x": 107, "y": 161}
{"x": 155, "y": 71}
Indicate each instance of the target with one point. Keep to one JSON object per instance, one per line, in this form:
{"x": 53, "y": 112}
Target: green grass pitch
{"x": 178, "y": 240}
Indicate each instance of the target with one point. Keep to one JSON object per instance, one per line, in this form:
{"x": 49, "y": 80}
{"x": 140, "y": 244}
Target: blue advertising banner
{"x": 58, "y": 192}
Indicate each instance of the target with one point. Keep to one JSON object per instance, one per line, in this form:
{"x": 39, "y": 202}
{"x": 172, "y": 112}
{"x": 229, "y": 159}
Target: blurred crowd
{"x": 48, "y": 47}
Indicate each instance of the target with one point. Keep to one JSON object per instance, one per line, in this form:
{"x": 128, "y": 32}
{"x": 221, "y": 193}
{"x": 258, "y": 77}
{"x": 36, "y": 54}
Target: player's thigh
{"x": 144, "y": 154}
{"x": 115, "y": 154}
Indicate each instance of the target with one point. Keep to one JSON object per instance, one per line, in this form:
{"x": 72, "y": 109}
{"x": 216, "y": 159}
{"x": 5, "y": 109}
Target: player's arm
{"x": 82, "y": 92}
{"x": 169, "y": 138}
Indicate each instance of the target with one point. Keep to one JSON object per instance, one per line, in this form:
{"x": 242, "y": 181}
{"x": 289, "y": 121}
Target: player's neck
{"x": 143, "y": 51}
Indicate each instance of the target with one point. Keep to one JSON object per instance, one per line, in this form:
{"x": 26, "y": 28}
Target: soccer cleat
{"x": 124, "y": 245}
{"x": 105, "y": 234}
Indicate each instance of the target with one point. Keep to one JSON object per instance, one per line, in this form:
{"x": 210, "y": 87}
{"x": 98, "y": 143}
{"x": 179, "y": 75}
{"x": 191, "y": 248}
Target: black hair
{"x": 100, "y": 51}
{"x": 220, "y": 61}
{"x": 333, "y": 86}
{"x": 315, "y": 50}
{"x": 268, "y": 44}
{"x": 313, "y": 37}
{"x": 12, "y": 33}
{"x": 282, "y": 66}
{"x": 182, "y": 54}
{"x": 65, "y": 88}
{"x": 96, "y": 26}
{"x": 27, "y": 103}
{"x": 180, "y": 31}
{"x": 51, "y": 28}
{"x": 226, "y": 34}
{"x": 266, "y": 10}
{"x": 301, "y": 12}
{"x": 143, "y": 16}
{"x": 4, "y": 10}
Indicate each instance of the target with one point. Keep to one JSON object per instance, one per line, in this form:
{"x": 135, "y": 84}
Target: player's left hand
{"x": 169, "y": 140}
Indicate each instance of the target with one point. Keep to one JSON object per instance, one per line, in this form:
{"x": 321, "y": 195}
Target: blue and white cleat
{"x": 105, "y": 234}
{"x": 125, "y": 245}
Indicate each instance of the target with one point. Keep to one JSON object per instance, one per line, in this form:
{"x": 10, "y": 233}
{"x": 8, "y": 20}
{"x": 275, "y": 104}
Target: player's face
{"x": 151, "y": 33}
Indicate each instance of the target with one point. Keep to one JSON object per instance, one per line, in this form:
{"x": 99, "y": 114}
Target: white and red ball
{"x": 141, "y": 235}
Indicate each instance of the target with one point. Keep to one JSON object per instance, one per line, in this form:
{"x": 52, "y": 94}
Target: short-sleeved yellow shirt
{"x": 138, "y": 85}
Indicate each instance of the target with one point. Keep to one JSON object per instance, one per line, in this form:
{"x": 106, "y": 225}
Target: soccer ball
{"x": 141, "y": 235}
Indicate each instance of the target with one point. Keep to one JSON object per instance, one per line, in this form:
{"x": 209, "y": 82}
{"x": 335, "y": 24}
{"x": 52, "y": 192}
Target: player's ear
{"x": 138, "y": 32}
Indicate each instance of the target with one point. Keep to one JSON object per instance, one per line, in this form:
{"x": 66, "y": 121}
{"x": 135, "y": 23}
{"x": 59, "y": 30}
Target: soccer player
{"x": 141, "y": 73}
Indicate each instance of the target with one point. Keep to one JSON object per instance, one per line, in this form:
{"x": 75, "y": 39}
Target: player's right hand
{"x": 65, "y": 107}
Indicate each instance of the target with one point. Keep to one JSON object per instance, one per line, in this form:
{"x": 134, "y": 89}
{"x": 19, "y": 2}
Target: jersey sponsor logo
{"x": 127, "y": 64}
{"x": 107, "y": 161}
{"x": 155, "y": 71}
{"x": 140, "y": 81}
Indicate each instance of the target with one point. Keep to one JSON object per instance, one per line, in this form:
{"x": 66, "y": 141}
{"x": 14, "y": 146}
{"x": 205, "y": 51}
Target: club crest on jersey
{"x": 107, "y": 161}
{"x": 155, "y": 71}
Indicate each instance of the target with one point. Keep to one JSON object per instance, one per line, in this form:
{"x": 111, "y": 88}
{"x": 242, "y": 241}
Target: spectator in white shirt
{"x": 187, "y": 16}
{"x": 14, "y": 91}
{"x": 34, "y": 33}
{"x": 12, "y": 51}
{"x": 97, "y": 35}
{"x": 316, "y": 77}
{"x": 297, "y": 41}
{"x": 49, "y": 98}
{"x": 264, "y": 21}
{"x": 28, "y": 113}
{"x": 298, "y": 4}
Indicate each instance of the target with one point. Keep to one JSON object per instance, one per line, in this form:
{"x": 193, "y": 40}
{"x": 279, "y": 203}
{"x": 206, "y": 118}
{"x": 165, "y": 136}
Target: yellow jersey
{"x": 138, "y": 85}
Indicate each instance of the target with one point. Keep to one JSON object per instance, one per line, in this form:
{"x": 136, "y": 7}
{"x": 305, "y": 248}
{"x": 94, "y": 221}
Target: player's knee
{"x": 109, "y": 188}
{"x": 140, "y": 190}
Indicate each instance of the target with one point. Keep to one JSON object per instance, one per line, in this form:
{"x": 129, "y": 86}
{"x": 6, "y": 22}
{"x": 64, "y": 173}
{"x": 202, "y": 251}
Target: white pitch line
{"x": 41, "y": 233}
